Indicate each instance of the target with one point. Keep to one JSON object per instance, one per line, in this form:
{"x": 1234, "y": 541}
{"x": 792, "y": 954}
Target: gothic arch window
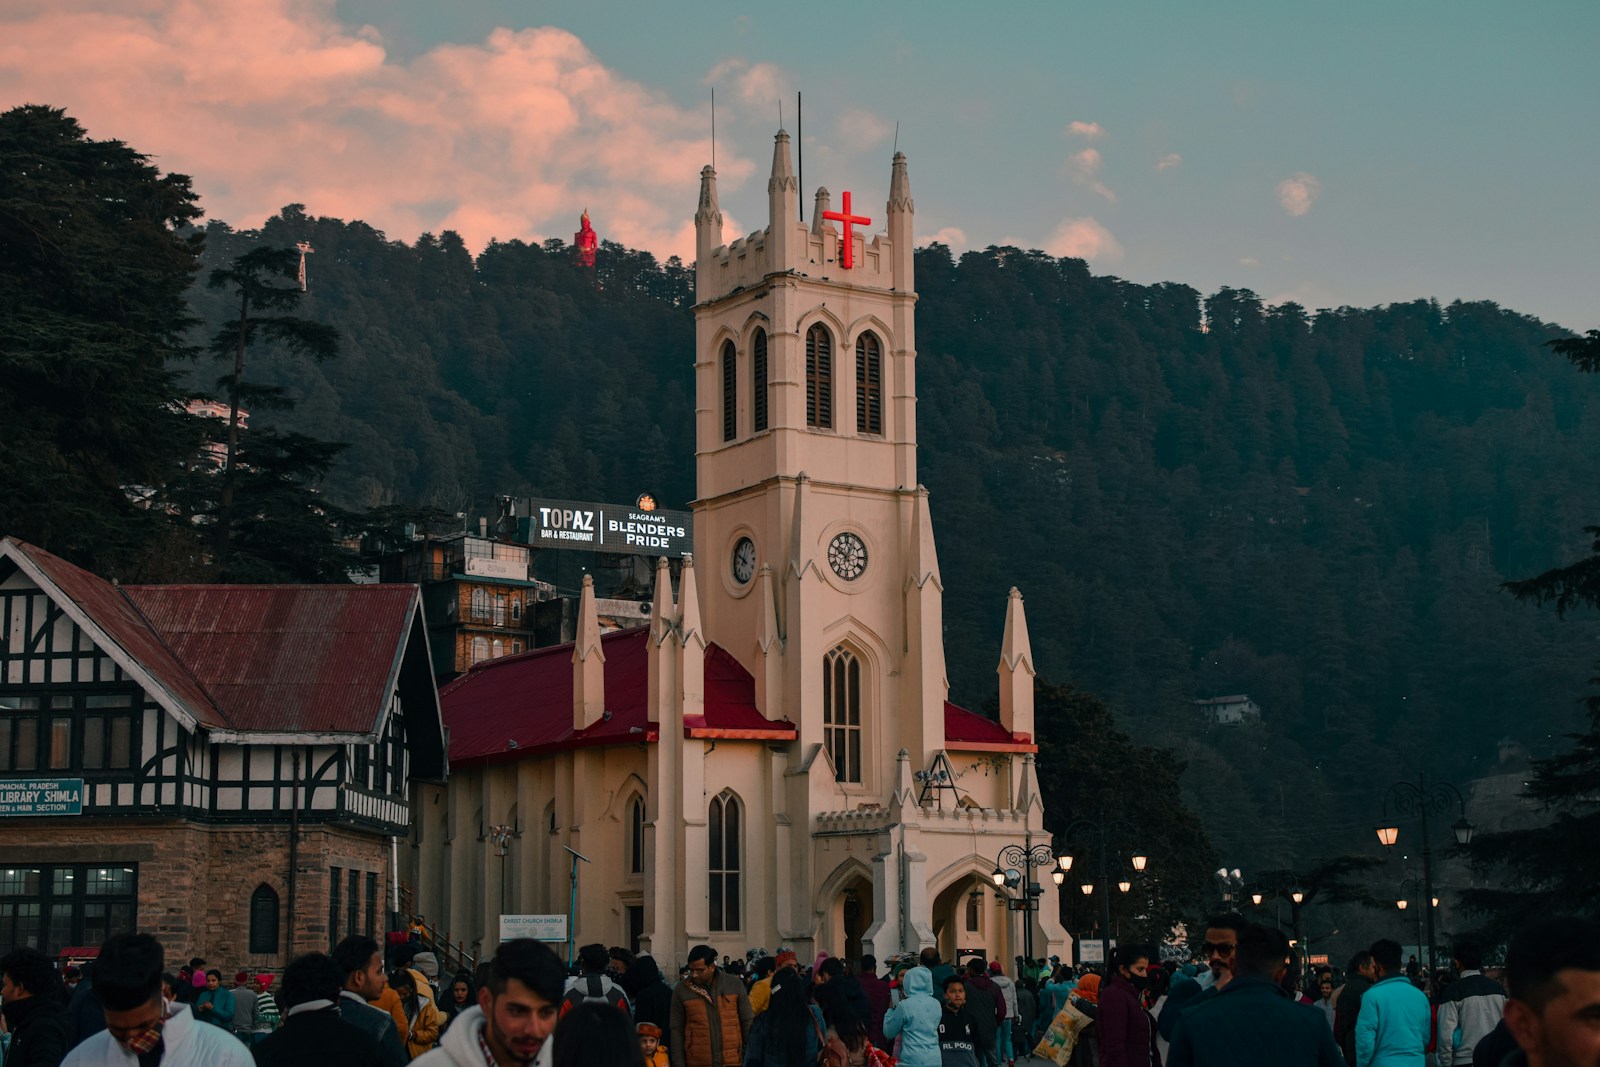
{"x": 480, "y": 649}
{"x": 869, "y": 384}
{"x": 841, "y": 713}
{"x": 730, "y": 391}
{"x": 819, "y": 377}
{"x": 758, "y": 379}
{"x": 264, "y": 920}
{"x": 723, "y": 824}
{"x": 636, "y": 835}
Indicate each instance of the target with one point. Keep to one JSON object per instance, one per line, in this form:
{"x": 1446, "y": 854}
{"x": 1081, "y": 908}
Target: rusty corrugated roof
{"x": 318, "y": 658}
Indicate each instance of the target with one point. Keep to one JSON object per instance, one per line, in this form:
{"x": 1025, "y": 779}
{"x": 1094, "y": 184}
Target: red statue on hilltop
{"x": 586, "y": 241}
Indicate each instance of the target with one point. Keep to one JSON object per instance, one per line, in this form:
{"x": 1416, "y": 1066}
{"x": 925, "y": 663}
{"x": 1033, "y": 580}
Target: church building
{"x": 773, "y": 760}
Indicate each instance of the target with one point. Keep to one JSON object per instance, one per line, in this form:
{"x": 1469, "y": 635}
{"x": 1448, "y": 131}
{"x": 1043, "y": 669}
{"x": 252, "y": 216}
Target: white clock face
{"x": 744, "y": 560}
{"x": 847, "y": 555}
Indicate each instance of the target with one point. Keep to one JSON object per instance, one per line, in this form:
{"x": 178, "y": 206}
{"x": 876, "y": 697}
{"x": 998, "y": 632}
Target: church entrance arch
{"x": 848, "y": 911}
{"x": 967, "y": 922}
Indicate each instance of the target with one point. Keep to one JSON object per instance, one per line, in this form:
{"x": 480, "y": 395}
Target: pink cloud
{"x": 1168, "y": 161}
{"x": 268, "y": 102}
{"x": 1082, "y": 238}
{"x": 1091, "y": 130}
{"x": 1298, "y": 193}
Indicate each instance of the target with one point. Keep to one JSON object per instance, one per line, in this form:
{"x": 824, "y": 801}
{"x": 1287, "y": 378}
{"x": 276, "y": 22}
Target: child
{"x": 650, "y": 1045}
{"x": 957, "y": 1034}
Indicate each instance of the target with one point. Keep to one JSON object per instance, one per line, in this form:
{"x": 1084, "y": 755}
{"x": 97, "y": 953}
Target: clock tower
{"x": 811, "y": 531}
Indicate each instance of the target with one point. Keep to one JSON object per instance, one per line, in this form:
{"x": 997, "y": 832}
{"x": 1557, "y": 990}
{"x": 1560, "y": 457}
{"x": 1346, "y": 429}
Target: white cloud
{"x": 860, "y": 129}
{"x": 954, "y": 236}
{"x": 1082, "y": 238}
{"x": 1168, "y": 161}
{"x": 1082, "y": 167}
{"x": 1249, "y": 261}
{"x": 756, "y": 85}
{"x": 1091, "y": 130}
{"x": 1298, "y": 193}
{"x": 278, "y": 101}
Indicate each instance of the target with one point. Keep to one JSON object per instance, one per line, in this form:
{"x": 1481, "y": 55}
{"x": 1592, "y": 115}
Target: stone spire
{"x": 588, "y": 663}
{"x": 900, "y": 209}
{"x": 783, "y": 204}
{"x": 824, "y": 202}
{"x": 707, "y": 228}
{"x": 1016, "y": 671}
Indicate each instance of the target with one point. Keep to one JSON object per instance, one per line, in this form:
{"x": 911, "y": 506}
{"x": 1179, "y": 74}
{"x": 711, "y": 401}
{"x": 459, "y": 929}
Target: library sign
{"x": 41, "y": 796}
{"x": 639, "y": 528}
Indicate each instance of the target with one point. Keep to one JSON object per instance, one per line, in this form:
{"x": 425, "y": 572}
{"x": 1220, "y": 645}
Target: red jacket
{"x": 1127, "y": 1038}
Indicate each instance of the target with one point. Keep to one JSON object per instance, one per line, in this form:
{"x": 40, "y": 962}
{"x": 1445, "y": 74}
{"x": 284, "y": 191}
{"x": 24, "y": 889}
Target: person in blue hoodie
{"x": 1396, "y": 1019}
{"x": 916, "y": 1020}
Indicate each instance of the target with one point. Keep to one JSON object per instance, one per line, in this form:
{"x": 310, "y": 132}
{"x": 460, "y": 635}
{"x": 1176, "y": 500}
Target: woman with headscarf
{"x": 1086, "y": 998}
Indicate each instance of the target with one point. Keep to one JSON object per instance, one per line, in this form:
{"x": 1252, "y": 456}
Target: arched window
{"x": 499, "y": 647}
{"x": 758, "y": 376}
{"x": 636, "y": 836}
{"x": 480, "y": 649}
{"x": 264, "y": 920}
{"x": 819, "y": 377}
{"x": 516, "y": 609}
{"x": 730, "y": 391}
{"x": 723, "y": 825}
{"x": 869, "y": 384}
{"x": 480, "y": 604}
{"x": 841, "y": 713}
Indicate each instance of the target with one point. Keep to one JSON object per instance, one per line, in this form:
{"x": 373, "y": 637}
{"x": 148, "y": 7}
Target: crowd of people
{"x": 363, "y": 1006}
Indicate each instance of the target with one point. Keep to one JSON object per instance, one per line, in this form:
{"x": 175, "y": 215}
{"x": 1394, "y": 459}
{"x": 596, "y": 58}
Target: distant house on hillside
{"x": 1236, "y": 710}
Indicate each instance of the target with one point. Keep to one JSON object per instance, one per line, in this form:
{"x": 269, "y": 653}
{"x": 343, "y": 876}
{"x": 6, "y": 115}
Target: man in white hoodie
{"x": 141, "y": 1028}
{"x": 516, "y": 1012}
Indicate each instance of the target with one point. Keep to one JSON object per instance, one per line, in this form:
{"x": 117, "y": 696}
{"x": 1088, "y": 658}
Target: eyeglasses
{"x": 1224, "y": 949}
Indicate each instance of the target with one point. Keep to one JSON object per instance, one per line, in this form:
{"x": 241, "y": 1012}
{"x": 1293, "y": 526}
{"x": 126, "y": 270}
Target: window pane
{"x": 264, "y": 920}
{"x": 716, "y": 902}
{"x": 854, "y": 762}
{"x": 353, "y": 902}
{"x": 714, "y": 829}
{"x": 25, "y": 757}
{"x": 60, "y": 703}
{"x": 108, "y": 700}
{"x": 58, "y": 932}
{"x": 60, "y": 743}
{"x": 852, "y": 707}
{"x": 730, "y": 903}
{"x": 120, "y": 920}
{"x": 94, "y": 742}
{"x": 120, "y": 755}
{"x": 5, "y": 743}
{"x": 731, "y": 849}
{"x": 61, "y": 880}
{"x": 19, "y": 881}
{"x": 108, "y": 881}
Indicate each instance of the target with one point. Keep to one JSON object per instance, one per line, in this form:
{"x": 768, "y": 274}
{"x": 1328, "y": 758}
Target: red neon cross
{"x": 847, "y": 245}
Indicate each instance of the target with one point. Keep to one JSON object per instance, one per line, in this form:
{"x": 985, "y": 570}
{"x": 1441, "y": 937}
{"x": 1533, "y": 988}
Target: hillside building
{"x": 773, "y": 759}
{"x": 1236, "y": 710}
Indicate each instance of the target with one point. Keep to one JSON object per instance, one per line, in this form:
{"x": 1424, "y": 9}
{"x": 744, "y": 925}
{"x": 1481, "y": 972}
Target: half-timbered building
{"x": 227, "y": 767}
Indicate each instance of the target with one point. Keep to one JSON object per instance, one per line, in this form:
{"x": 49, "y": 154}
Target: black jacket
{"x": 39, "y": 1032}
{"x": 375, "y": 1024}
{"x": 1345, "y": 1012}
{"x": 318, "y": 1037}
{"x": 652, "y": 997}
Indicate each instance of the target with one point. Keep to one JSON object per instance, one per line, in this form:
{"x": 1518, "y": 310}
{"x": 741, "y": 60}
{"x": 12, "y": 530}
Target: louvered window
{"x": 730, "y": 391}
{"x": 869, "y": 384}
{"x": 758, "y": 384}
{"x": 819, "y": 377}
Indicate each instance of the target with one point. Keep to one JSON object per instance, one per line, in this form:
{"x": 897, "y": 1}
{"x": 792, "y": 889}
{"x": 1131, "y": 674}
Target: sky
{"x": 1355, "y": 153}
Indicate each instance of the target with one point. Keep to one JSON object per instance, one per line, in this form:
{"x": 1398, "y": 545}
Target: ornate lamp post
{"x": 500, "y": 835}
{"x": 1013, "y": 876}
{"x": 1138, "y": 860}
{"x": 1425, "y": 800}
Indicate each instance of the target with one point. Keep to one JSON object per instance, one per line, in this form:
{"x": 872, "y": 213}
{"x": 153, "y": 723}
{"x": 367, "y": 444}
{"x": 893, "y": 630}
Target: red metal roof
{"x": 319, "y": 658}
{"x": 970, "y": 731}
{"x": 113, "y": 613}
{"x": 505, "y": 709}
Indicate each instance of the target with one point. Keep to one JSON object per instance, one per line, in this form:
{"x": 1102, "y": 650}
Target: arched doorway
{"x": 967, "y": 922}
{"x": 849, "y": 916}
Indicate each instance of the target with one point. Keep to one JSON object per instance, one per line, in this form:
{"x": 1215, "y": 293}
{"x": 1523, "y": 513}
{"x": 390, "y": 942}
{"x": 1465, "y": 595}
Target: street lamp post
{"x": 1139, "y": 861}
{"x": 1007, "y": 877}
{"x": 1424, "y": 799}
{"x": 500, "y": 836}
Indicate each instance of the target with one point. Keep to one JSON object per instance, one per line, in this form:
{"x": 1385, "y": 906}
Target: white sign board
{"x": 538, "y": 927}
{"x": 498, "y": 568}
{"x": 1093, "y": 951}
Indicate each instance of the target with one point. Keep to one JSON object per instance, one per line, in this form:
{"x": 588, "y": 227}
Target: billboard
{"x": 538, "y": 927}
{"x": 639, "y": 528}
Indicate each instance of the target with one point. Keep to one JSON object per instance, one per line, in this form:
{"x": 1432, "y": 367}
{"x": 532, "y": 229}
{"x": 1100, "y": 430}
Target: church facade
{"x": 773, "y": 759}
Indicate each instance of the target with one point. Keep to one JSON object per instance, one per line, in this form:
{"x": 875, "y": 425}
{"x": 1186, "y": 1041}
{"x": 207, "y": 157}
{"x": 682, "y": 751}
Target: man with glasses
{"x": 1222, "y": 942}
{"x": 139, "y": 1023}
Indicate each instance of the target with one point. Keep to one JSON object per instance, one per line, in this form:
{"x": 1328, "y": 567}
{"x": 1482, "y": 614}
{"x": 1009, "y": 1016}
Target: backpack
{"x": 593, "y": 991}
{"x": 832, "y": 1052}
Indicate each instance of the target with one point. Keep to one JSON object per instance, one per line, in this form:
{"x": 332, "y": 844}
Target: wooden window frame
{"x": 730, "y": 391}
{"x": 758, "y": 380}
{"x": 869, "y": 384}
{"x": 819, "y": 377}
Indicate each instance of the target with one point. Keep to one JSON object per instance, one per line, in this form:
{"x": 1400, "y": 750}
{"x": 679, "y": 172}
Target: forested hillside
{"x": 1197, "y": 495}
